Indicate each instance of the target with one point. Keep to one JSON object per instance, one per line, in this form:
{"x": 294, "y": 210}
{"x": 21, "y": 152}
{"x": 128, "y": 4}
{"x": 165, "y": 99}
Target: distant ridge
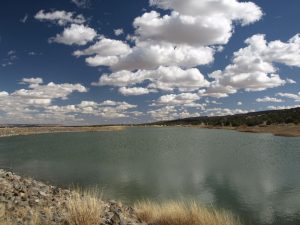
{"x": 270, "y": 117}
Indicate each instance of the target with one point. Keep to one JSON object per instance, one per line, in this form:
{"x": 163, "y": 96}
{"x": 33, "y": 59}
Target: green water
{"x": 256, "y": 176}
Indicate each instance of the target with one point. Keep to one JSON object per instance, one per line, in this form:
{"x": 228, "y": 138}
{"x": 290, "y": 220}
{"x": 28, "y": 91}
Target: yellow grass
{"x": 87, "y": 209}
{"x": 5, "y": 223}
{"x": 35, "y": 219}
{"x": 84, "y": 209}
{"x": 180, "y": 213}
{"x": 37, "y": 216}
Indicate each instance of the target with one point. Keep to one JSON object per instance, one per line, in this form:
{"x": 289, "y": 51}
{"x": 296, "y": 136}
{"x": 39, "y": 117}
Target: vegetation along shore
{"x": 278, "y": 122}
{"x": 24, "y": 201}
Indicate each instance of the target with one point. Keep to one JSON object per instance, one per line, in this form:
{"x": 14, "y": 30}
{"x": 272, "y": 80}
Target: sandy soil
{"x": 277, "y": 130}
{"x": 13, "y": 131}
{"x": 286, "y": 130}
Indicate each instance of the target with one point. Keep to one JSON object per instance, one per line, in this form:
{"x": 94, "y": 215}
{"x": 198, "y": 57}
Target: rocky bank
{"x": 22, "y": 200}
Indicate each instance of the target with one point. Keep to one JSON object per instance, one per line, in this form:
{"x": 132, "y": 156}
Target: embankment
{"x": 24, "y": 201}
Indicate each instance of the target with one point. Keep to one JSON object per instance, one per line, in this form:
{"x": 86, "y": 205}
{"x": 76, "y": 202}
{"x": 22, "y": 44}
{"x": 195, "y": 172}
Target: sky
{"x": 134, "y": 61}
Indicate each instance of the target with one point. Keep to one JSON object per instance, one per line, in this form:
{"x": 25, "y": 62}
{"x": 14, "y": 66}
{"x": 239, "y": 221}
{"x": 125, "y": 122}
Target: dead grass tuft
{"x": 84, "y": 209}
{"x": 180, "y": 213}
{"x": 80, "y": 208}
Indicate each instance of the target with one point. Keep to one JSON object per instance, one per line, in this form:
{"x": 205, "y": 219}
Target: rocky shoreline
{"x": 24, "y": 201}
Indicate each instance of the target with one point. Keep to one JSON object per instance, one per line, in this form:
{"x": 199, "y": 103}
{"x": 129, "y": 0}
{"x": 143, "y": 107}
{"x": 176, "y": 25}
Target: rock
{"x": 109, "y": 215}
{"x": 56, "y": 191}
{"x": 42, "y": 193}
{"x": 2, "y": 199}
{"x": 116, "y": 220}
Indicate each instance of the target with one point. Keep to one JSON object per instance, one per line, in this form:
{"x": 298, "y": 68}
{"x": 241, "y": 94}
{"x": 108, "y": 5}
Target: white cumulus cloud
{"x": 105, "y": 48}
{"x": 134, "y": 91}
{"x": 164, "y": 78}
{"x": 60, "y": 17}
{"x": 76, "y": 34}
{"x": 224, "y": 111}
{"x": 118, "y": 32}
{"x": 246, "y": 12}
{"x": 295, "y": 97}
{"x": 119, "y": 56}
{"x": 253, "y": 67}
{"x": 269, "y": 99}
{"x": 195, "y": 22}
{"x": 30, "y": 105}
{"x": 180, "y": 99}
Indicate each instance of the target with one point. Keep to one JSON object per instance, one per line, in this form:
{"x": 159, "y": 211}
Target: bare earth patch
{"x": 286, "y": 130}
{"x": 278, "y": 130}
{"x": 14, "y": 131}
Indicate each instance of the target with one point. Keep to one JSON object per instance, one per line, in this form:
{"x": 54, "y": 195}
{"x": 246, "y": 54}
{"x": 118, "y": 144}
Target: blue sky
{"x": 109, "y": 61}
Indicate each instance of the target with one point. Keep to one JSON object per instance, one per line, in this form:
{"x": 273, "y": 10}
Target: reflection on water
{"x": 254, "y": 175}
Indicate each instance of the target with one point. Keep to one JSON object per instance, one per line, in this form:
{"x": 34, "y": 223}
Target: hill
{"x": 272, "y": 117}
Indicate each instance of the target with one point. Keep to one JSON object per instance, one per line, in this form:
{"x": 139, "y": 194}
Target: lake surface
{"x": 256, "y": 176}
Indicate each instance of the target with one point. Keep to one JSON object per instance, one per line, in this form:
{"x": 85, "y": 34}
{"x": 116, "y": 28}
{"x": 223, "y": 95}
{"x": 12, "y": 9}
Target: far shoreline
{"x": 283, "y": 130}
{"x": 276, "y": 130}
{"x": 34, "y": 130}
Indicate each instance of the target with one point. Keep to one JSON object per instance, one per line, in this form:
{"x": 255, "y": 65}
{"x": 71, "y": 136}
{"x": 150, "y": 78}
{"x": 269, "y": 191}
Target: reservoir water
{"x": 256, "y": 176}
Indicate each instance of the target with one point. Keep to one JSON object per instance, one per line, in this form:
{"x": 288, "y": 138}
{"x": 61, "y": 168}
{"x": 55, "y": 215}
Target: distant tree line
{"x": 286, "y": 116}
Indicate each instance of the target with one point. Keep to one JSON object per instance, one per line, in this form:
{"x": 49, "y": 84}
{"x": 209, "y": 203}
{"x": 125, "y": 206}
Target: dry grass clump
{"x": 180, "y": 213}
{"x": 84, "y": 209}
{"x": 4, "y": 222}
{"x": 27, "y": 216}
{"x": 80, "y": 208}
